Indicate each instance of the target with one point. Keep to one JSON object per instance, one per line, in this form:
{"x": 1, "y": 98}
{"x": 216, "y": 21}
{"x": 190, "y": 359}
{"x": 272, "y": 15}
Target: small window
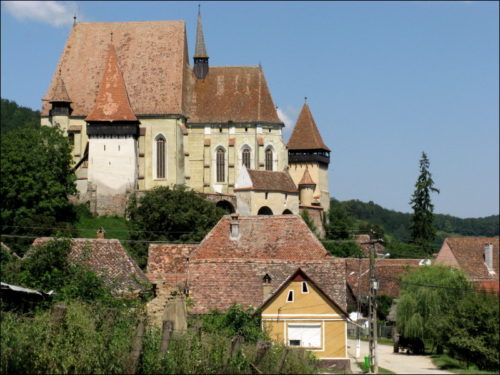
{"x": 220, "y": 129}
{"x": 104, "y": 147}
{"x": 269, "y": 160}
{"x": 290, "y": 296}
{"x": 246, "y": 129}
{"x": 266, "y": 279}
{"x": 71, "y": 138}
{"x": 267, "y": 194}
{"x": 305, "y": 288}
{"x": 294, "y": 342}
{"x": 269, "y": 130}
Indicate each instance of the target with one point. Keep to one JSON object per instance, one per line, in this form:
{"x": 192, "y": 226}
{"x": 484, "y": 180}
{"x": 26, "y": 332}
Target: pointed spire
{"x": 112, "y": 102}
{"x": 200, "y": 49}
{"x": 60, "y": 94}
{"x": 306, "y": 178}
{"x": 305, "y": 135}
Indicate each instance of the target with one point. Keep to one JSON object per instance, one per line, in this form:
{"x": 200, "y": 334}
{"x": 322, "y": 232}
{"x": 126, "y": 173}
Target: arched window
{"x": 245, "y": 158}
{"x": 160, "y": 145}
{"x": 220, "y": 165}
{"x": 269, "y": 159}
{"x": 265, "y": 211}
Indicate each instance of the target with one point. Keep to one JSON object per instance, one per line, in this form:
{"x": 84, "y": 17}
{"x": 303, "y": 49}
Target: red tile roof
{"x": 168, "y": 262}
{"x": 108, "y": 259}
{"x": 153, "y": 59}
{"x": 469, "y": 253}
{"x": 112, "y": 99}
{"x": 284, "y": 237}
{"x": 59, "y": 93}
{"x": 218, "y": 283}
{"x": 306, "y": 179}
{"x": 231, "y": 93}
{"x": 270, "y": 181}
{"x": 305, "y": 135}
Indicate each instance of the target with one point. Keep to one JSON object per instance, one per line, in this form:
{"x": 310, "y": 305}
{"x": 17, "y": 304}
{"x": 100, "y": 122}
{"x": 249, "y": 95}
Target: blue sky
{"x": 384, "y": 80}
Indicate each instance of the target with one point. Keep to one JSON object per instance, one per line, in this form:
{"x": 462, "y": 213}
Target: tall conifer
{"x": 422, "y": 227}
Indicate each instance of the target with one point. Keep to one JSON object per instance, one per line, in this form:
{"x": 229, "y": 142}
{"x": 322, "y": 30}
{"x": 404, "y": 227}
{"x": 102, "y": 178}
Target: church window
{"x": 160, "y": 143}
{"x": 289, "y": 298}
{"x": 245, "y": 156}
{"x": 269, "y": 159}
{"x": 221, "y": 164}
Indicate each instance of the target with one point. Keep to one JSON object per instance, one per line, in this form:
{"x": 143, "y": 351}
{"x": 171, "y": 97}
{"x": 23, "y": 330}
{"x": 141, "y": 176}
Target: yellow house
{"x": 300, "y": 314}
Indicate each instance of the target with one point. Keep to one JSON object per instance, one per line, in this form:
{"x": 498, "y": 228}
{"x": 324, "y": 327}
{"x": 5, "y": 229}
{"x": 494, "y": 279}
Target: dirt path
{"x": 397, "y": 362}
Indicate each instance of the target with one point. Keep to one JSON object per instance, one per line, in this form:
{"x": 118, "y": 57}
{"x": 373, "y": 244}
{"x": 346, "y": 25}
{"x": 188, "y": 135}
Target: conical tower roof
{"x": 305, "y": 135}
{"x": 200, "y": 50}
{"x": 112, "y": 102}
{"x": 60, "y": 94}
{"x": 306, "y": 179}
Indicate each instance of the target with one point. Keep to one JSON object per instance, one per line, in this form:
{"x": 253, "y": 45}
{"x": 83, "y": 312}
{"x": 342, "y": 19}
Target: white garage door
{"x": 308, "y": 336}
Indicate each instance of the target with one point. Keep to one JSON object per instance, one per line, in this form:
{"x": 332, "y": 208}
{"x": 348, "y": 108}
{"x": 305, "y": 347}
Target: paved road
{"x": 397, "y": 362}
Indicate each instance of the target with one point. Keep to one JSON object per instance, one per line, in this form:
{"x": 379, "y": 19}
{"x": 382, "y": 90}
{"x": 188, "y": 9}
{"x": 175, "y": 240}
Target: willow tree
{"x": 422, "y": 227}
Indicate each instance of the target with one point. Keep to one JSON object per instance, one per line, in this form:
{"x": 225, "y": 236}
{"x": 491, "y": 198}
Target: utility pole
{"x": 372, "y": 314}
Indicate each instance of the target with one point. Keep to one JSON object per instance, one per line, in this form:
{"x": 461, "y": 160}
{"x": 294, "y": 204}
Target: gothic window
{"x": 269, "y": 159}
{"x": 160, "y": 156}
{"x": 220, "y": 164}
{"x": 245, "y": 157}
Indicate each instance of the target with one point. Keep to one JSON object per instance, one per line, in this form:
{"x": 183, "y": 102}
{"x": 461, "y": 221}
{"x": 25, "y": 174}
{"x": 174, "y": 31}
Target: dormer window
{"x": 266, "y": 279}
{"x": 305, "y": 288}
{"x": 289, "y": 298}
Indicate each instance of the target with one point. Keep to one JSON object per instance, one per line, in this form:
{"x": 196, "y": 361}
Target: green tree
{"x": 422, "y": 227}
{"x": 309, "y": 222}
{"x": 429, "y": 296}
{"x": 169, "y": 214}
{"x": 340, "y": 224}
{"x": 13, "y": 116}
{"x": 36, "y": 181}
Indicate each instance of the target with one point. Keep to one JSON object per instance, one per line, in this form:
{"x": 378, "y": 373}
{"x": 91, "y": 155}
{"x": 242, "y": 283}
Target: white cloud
{"x": 288, "y": 115}
{"x": 55, "y": 13}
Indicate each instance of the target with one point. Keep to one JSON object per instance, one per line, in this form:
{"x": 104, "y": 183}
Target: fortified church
{"x": 139, "y": 115}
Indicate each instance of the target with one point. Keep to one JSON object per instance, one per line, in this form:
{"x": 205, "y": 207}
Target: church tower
{"x": 112, "y": 128}
{"x": 61, "y": 105}
{"x": 200, "y": 52}
{"x": 308, "y": 159}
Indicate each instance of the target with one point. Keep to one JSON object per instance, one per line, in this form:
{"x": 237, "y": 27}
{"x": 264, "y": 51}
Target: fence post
{"x": 166, "y": 332}
{"x": 260, "y": 352}
{"x": 133, "y": 357}
{"x": 234, "y": 348}
{"x": 282, "y": 360}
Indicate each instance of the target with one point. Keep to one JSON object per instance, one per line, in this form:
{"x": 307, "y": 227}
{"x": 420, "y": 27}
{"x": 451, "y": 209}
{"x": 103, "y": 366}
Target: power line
{"x": 166, "y": 242}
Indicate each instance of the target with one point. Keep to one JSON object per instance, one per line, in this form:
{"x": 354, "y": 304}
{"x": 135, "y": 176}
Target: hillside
{"x": 14, "y": 116}
{"x": 396, "y": 224}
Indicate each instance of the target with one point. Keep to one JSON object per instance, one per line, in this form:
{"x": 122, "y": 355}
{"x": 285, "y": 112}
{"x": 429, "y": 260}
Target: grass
{"x": 381, "y": 370}
{"x": 115, "y": 227}
{"x": 445, "y": 362}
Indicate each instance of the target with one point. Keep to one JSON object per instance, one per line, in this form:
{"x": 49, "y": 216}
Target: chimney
{"x": 488, "y": 257}
{"x": 235, "y": 227}
{"x": 100, "y": 233}
{"x": 266, "y": 286}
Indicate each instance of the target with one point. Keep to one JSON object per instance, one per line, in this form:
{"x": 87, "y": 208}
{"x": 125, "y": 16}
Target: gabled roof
{"x": 108, "y": 259}
{"x": 231, "y": 93}
{"x": 200, "y": 50}
{"x": 153, "y": 59}
{"x": 469, "y": 253}
{"x": 306, "y": 178}
{"x": 168, "y": 262}
{"x": 112, "y": 102}
{"x": 284, "y": 237}
{"x": 305, "y": 135}
{"x": 299, "y": 274}
{"x": 252, "y": 179}
{"x": 59, "y": 94}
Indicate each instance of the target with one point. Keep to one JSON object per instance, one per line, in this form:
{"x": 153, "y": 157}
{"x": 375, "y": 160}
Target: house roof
{"x": 59, "y": 93}
{"x": 284, "y": 237}
{"x": 269, "y": 181}
{"x": 306, "y": 178}
{"x": 305, "y": 135}
{"x": 153, "y": 59}
{"x": 231, "y": 93}
{"x": 388, "y": 272}
{"x": 218, "y": 283}
{"x": 469, "y": 253}
{"x": 112, "y": 102}
{"x": 168, "y": 262}
{"x": 300, "y": 274}
{"x": 108, "y": 259}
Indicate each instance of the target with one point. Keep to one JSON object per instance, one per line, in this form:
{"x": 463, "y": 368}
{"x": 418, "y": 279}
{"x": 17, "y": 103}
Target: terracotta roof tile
{"x": 305, "y": 135}
{"x": 306, "y": 179}
{"x": 152, "y": 56}
{"x": 270, "y": 181}
{"x": 168, "y": 262}
{"x": 112, "y": 99}
{"x": 59, "y": 93}
{"x": 108, "y": 259}
{"x": 469, "y": 252}
{"x": 284, "y": 237}
{"x": 238, "y": 94}
{"x": 216, "y": 283}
